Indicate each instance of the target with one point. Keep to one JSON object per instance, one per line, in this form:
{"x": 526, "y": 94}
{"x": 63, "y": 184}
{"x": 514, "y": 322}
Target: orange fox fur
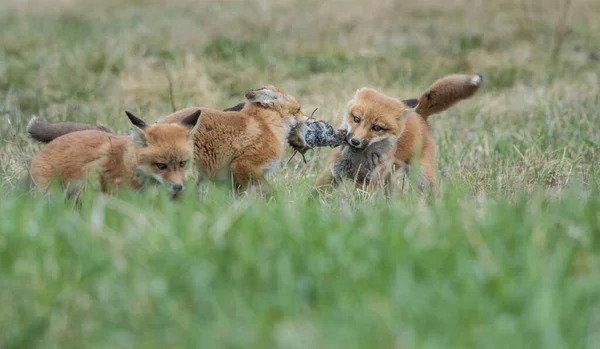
{"x": 385, "y": 134}
{"x": 160, "y": 152}
{"x": 247, "y": 140}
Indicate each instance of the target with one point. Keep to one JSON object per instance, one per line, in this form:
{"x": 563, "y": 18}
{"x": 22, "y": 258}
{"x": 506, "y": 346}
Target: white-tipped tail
{"x": 476, "y": 79}
{"x": 33, "y": 120}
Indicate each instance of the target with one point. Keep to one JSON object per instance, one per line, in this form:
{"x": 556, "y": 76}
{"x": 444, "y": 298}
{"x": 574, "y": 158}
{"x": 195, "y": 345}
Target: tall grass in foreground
{"x": 507, "y": 256}
{"x": 138, "y": 271}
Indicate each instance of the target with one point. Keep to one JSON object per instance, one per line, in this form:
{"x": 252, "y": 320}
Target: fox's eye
{"x": 376, "y": 128}
{"x": 182, "y": 163}
{"x": 161, "y": 166}
{"x": 356, "y": 119}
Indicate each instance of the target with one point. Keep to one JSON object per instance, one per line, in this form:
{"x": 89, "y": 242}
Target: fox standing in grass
{"x": 161, "y": 153}
{"x": 385, "y": 134}
{"x": 246, "y": 141}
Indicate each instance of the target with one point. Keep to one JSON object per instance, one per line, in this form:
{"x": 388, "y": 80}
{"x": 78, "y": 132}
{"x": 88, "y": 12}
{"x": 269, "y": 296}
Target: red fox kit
{"x": 162, "y": 153}
{"x": 247, "y": 140}
{"x": 384, "y": 134}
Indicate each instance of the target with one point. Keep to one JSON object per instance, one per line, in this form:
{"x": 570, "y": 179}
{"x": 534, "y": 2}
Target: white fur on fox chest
{"x": 271, "y": 166}
{"x": 282, "y": 130}
{"x": 281, "y": 134}
{"x": 288, "y": 125}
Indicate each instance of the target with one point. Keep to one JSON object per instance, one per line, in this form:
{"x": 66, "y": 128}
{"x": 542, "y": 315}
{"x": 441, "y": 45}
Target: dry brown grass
{"x": 492, "y": 263}
{"x": 534, "y": 123}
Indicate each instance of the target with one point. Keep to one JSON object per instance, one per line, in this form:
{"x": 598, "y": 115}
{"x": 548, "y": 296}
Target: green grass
{"x": 507, "y": 256}
{"x": 142, "y": 272}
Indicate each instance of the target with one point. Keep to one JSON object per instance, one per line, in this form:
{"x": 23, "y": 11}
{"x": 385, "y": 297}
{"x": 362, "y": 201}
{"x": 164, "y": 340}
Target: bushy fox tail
{"x": 43, "y": 131}
{"x": 446, "y": 92}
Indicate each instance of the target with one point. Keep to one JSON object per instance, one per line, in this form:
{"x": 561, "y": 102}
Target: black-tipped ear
{"x": 135, "y": 120}
{"x": 192, "y": 119}
{"x": 411, "y": 103}
{"x": 137, "y": 129}
{"x": 192, "y": 122}
{"x": 236, "y": 107}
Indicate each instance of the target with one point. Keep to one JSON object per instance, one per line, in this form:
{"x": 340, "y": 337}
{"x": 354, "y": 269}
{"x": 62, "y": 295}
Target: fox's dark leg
{"x": 248, "y": 176}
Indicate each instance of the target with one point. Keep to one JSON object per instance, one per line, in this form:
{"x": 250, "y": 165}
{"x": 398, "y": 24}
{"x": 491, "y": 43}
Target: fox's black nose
{"x": 355, "y": 142}
{"x": 177, "y": 188}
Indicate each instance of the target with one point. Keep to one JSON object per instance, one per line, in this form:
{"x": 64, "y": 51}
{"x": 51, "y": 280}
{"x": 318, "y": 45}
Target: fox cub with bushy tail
{"x": 159, "y": 153}
{"x": 385, "y": 134}
{"x": 244, "y": 142}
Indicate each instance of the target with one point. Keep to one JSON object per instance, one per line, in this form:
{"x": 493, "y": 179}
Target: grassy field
{"x": 507, "y": 256}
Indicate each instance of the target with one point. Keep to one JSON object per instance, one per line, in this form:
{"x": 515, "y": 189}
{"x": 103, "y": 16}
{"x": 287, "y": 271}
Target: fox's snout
{"x": 173, "y": 183}
{"x": 176, "y": 187}
{"x": 355, "y": 141}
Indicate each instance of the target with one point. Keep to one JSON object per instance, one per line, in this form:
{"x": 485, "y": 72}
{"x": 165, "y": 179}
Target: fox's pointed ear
{"x": 264, "y": 96}
{"x": 236, "y": 107}
{"x": 135, "y": 120}
{"x": 410, "y": 103}
{"x": 137, "y": 128}
{"x": 192, "y": 122}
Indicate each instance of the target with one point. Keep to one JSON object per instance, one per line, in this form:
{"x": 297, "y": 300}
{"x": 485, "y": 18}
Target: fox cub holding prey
{"x": 385, "y": 133}
{"x": 246, "y": 140}
{"x": 161, "y": 153}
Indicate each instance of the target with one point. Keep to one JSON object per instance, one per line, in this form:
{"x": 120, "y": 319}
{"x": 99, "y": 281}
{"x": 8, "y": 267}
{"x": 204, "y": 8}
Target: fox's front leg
{"x": 379, "y": 179}
{"x": 382, "y": 168}
{"x": 248, "y": 175}
{"x": 201, "y": 175}
{"x": 326, "y": 178}
{"x": 427, "y": 175}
